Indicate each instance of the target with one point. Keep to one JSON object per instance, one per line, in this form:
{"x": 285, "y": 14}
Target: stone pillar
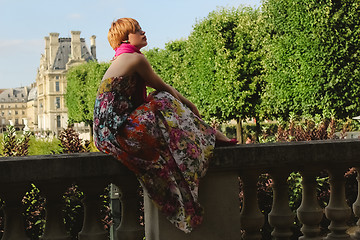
{"x": 47, "y": 51}
{"x": 251, "y": 217}
{"x": 129, "y": 228}
{"x": 356, "y": 205}
{"x": 281, "y": 216}
{"x": 93, "y": 46}
{"x": 310, "y": 213}
{"x": 75, "y": 45}
{"x": 92, "y": 229}
{"x": 54, "y": 225}
{"x": 338, "y": 212}
{"x": 54, "y": 45}
{"x": 219, "y": 195}
{"x": 14, "y": 227}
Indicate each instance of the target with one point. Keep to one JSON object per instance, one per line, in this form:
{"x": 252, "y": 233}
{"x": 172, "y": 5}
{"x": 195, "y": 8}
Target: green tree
{"x": 218, "y": 66}
{"x": 312, "y": 58}
{"x": 224, "y": 65}
{"x": 82, "y": 84}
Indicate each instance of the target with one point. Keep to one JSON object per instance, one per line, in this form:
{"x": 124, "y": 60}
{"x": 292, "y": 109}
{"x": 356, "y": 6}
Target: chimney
{"x": 47, "y": 49}
{"x": 54, "y": 45}
{"x": 93, "y": 46}
{"x": 75, "y": 45}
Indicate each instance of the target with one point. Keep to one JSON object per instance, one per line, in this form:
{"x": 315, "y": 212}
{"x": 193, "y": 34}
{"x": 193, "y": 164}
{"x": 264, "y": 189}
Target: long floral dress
{"x": 157, "y": 137}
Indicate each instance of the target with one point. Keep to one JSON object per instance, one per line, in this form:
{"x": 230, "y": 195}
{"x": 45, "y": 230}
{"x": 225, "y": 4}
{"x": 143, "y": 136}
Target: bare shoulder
{"x": 123, "y": 65}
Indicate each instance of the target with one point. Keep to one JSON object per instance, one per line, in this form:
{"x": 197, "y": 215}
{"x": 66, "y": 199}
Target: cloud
{"x": 74, "y": 16}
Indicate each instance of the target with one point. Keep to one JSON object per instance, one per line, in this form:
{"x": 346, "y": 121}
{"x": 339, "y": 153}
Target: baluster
{"x": 251, "y": 218}
{"x": 129, "y": 228}
{"x": 337, "y": 211}
{"x": 281, "y": 217}
{"x": 54, "y": 226}
{"x": 356, "y": 205}
{"x": 14, "y": 227}
{"x": 92, "y": 229}
{"x": 310, "y": 213}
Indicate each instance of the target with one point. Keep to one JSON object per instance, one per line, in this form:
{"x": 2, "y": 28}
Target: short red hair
{"x": 120, "y": 30}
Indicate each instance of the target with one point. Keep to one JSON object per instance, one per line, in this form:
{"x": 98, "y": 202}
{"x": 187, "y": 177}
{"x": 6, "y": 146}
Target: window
{"x": 58, "y": 121}
{"x": 57, "y": 77}
{"x": 16, "y": 113}
{"x": 57, "y": 86}
{"x": 9, "y": 112}
{"x": 57, "y": 103}
{"x": 2, "y": 106}
{"x": 16, "y": 121}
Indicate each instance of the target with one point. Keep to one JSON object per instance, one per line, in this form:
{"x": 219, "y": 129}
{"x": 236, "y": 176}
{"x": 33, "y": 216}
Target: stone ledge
{"x": 294, "y": 156}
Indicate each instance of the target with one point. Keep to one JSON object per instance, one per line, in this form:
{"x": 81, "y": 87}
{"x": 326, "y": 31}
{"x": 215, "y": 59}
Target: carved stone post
{"x": 92, "y": 229}
{"x": 337, "y": 211}
{"x": 251, "y": 218}
{"x": 54, "y": 226}
{"x": 14, "y": 227}
{"x": 281, "y": 217}
{"x": 129, "y": 228}
{"x": 356, "y": 205}
{"x": 310, "y": 213}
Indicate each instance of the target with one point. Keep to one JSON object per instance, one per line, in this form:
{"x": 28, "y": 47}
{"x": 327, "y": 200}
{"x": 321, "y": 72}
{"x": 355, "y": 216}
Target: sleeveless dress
{"x": 161, "y": 140}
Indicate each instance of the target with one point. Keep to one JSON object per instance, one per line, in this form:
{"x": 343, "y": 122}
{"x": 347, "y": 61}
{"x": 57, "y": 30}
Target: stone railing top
{"x": 294, "y": 156}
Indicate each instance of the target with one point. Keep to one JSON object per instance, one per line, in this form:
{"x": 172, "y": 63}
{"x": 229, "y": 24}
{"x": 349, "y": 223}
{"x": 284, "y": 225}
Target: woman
{"x": 160, "y": 137}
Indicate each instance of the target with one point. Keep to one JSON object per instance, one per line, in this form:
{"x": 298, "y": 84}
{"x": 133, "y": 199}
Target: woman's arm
{"x": 145, "y": 70}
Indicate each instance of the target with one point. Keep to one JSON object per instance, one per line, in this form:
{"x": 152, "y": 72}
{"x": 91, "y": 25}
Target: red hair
{"x": 120, "y": 30}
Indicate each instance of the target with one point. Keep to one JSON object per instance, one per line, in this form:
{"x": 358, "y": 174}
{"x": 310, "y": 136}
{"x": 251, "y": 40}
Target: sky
{"x": 24, "y": 24}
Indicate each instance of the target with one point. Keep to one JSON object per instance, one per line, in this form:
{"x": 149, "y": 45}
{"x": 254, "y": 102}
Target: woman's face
{"x": 138, "y": 39}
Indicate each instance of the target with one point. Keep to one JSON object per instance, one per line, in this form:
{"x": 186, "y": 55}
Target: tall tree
{"x": 82, "y": 84}
{"x": 312, "y": 58}
{"x": 217, "y": 67}
{"x": 225, "y": 65}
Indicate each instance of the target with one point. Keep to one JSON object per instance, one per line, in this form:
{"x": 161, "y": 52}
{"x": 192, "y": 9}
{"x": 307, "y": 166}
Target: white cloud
{"x": 74, "y": 16}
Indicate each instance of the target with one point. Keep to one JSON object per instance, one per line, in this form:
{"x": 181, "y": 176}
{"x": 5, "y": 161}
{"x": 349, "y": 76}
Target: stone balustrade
{"x": 219, "y": 193}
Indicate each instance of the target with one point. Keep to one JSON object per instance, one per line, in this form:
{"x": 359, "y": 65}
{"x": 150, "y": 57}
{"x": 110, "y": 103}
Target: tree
{"x": 170, "y": 64}
{"x": 82, "y": 84}
{"x": 312, "y": 58}
{"x": 217, "y": 67}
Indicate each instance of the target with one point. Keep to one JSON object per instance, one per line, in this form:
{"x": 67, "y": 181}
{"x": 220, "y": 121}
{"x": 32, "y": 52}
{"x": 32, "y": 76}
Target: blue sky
{"x": 24, "y": 24}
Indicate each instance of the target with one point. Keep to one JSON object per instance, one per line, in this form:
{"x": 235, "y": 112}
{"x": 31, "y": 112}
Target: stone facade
{"x": 13, "y": 107}
{"x": 60, "y": 54}
{"x": 41, "y": 106}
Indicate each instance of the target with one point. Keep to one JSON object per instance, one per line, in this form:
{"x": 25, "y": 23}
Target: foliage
{"x": 311, "y": 58}
{"x": 82, "y": 84}
{"x": 307, "y": 131}
{"x": 71, "y": 143}
{"x": 46, "y": 146}
{"x": 217, "y": 67}
{"x": 13, "y": 145}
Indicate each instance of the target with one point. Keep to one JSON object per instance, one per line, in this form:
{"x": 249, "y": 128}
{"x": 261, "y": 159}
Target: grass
{"x": 46, "y": 146}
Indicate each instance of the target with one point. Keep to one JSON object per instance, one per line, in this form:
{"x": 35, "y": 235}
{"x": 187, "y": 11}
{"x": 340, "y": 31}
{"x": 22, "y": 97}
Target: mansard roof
{"x": 64, "y": 52}
{"x": 14, "y": 95}
{"x": 32, "y": 94}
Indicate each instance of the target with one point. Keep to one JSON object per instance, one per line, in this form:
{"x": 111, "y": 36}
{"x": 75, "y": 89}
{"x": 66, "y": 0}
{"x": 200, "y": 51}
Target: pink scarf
{"x": 126, "y": 48}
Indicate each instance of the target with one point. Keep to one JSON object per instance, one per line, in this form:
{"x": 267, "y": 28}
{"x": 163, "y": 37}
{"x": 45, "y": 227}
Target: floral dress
{"x": 161, "y": 140}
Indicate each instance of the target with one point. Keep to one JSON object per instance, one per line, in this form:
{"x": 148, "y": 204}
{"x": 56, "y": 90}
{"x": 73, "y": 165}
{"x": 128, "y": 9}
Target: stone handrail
{"x": 219, "y": 193}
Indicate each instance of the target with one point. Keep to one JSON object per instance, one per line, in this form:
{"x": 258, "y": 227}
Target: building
{"x": 60, "y": 54}
{"x": 41, "y": 106}
{"x": 13, "y": 104}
